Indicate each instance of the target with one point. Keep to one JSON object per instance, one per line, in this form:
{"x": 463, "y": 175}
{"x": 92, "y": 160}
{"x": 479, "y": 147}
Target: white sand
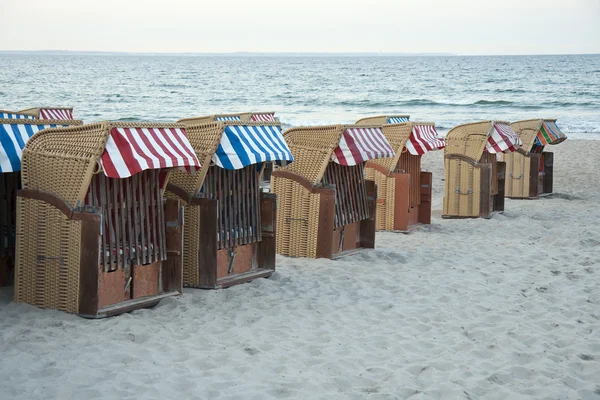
{"x": 506, "y": 308}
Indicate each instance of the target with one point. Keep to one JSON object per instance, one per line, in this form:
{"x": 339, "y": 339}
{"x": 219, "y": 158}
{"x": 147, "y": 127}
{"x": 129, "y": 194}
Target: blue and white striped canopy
{"x": 10, "y": 115}
{"x": 241, "y": 146}
{"x": 13, "y": 138}
{"x": 228, "y": 118}
{"x": 397, "y": 120}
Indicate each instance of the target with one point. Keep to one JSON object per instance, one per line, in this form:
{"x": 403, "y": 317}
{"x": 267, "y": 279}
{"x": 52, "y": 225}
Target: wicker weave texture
{"x": 312, "y": 148}
{"x": 462, "y": 191}
{"x": 468, "y": 139}
{"x": 308, "y": 162}
{"x": 191, "y": 246}
{"x": 386, "y": 191}
{"x": 204, "y": 138}
{"x": 379, "y": 119}
{"x": 527, "y": 130}
{"x": 518, "y": 168}
{"x": 318, "y": 137}
{"x": 47, "y": 257}
{"x": 62, "y": 160}
{"x": 397, "y": 135}
{"x": 35, "y": 112}
{"x": 244, "y": 117}
{"x": 297, "y": 218}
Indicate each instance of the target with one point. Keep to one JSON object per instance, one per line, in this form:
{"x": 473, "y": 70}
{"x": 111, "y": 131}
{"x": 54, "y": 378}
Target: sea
{"x": 310, "y": 89}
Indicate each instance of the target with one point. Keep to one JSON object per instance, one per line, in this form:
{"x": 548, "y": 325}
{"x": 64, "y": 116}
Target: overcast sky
{"x": 449, "y": 26}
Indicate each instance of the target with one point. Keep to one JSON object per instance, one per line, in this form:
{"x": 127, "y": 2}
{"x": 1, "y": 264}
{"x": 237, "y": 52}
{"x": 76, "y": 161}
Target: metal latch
{"x": 470, "y": 191}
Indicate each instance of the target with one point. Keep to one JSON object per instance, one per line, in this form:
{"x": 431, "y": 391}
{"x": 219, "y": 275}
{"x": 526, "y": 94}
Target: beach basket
{"x": 230, "y": 222}
{"x": 264, "y": 116}
{"x": 384, "y": 119}
{"x": 403, "y": 189}
{"x": 95, "y": 235}
{"x": 474, "y": 184}
{"x": 529, "y": 170}
{"x": 63, "y": 113}
{"x": 4, "y": 114}
{"x": 326, "y": 208}
{"x": 15, "y": 132}
{"x": 267, "y": 116}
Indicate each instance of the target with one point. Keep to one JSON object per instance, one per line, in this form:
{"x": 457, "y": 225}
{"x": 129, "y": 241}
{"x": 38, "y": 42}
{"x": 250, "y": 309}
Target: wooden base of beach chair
{"x": 6, "y": 271}
{"x": 107, "y": 292}
{"x": 529, "y": 176}
{"x": 401, "y": 203}
{"x": 483, "y": 193}
{"x": 9, "y": 184}
{"x": 547, "y": 180}
{"x": 61, "y": 267}
{"x": 306, "y": 223}
{"x": 219, "y": 268}
{"x": 356, "y": 236}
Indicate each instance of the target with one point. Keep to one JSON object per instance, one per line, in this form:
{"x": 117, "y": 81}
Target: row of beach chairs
{"x": 104, "y": 218}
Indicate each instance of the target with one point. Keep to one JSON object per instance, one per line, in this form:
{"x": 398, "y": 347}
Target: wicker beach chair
{"x": 529, "y": 170}
{"x": 267, "y": 116}
{"x": 4, "y": 114}
{"x": 15, "y": 132}
{"x": 474, "y": 178}
{"x": 63, "y": 113}
{"x": 230, "y": 222}
{"x": 384, "y": 119}
{"x": 94, "y": 234}
{"x": 326, "y": 208}
{"x": 403, "y": 190}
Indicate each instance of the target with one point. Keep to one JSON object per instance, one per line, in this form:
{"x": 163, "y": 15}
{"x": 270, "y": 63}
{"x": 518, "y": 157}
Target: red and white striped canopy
{"x": 502, "y": 139}
{"x": 262, "y": 117}
{"x": 56, "y": 113}
{"x": 361, "y": 144}
{"x": 424, "y": 138}
{"x": 129, "y": 151}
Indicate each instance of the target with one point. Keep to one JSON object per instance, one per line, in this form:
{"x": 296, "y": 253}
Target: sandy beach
{"x": 506, "y": 308}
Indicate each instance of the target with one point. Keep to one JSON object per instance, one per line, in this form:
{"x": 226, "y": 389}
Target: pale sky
{"x": 448, "y": 26}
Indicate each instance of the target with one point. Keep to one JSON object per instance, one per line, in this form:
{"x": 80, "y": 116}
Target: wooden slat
{"x": 256, "y": 209}
{"x": 172, "y": 268}
{"x": 5, "y": 210}
{"x": 152, "y": 180}
{"x": 356, "y": 205}
{"x": 220, "y": 207}
{"x": 136, "y": 219}
{"x": 88, "y": 267}
{"x": 105, "y": 222}
{"x": 115, "y": 207}
{"x": 142, "y": 217}
{"x": 162, "y": 226}
{"x": 242, "y": 191}
{"x": 230, "y": 241}
{"x": 130, "y": 211}
{"x": 237, "y": 211}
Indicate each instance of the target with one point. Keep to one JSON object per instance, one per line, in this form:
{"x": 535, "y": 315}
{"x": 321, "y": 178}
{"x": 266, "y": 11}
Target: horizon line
{"x": 287, "y": 53}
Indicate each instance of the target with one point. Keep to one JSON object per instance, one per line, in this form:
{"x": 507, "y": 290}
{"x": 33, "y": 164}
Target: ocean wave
{"x": 492, "y": 103}
{"x": 569, "y": 104}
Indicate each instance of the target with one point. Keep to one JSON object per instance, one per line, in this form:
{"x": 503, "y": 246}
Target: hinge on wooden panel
{"x": 470, "y": 191}
{"x": 511, "y": 175}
